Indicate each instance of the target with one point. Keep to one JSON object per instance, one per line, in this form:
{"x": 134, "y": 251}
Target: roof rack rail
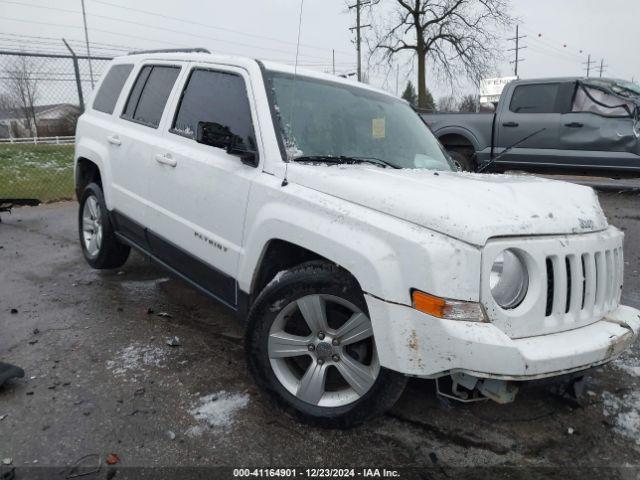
{"x": 171, "y": 50}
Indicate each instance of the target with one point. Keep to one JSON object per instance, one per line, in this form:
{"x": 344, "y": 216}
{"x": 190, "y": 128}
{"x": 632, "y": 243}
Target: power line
{"x": 47, "y": 42}
{"x": 156, "y": 28}
{"x": 57, "y": 39}
{"x": 551, "y": 53}
{"x": 569, "y": 54}
{"x": 48, "y": 45}
{"x": 180, "y": 32}
{"x": 238, "y": 32}
{"x": 172, "y": 44}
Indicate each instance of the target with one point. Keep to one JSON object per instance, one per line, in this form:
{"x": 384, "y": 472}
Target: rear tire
{"x": 100, "y": 246}
{"x": 284, "y": 364}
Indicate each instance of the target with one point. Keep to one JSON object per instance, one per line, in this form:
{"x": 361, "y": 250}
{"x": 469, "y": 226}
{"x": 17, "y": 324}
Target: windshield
{"x": 626, "y": 89}
{"x": 319, "y": 118}
{"x": 620, "y": 87}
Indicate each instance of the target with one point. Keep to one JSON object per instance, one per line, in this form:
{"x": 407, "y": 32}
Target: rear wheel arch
{"x": 87, "y": 172}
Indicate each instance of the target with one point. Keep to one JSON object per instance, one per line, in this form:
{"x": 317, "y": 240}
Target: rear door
{"x": 106, "y": 131}
{"x": 529, "y": 124}
{"x": 597, "y": 132}
{"x": 135, "y": 140}
{"x": 198, "y": 192}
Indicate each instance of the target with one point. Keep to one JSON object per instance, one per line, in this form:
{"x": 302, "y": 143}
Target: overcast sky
{"x": 268, "y": 29}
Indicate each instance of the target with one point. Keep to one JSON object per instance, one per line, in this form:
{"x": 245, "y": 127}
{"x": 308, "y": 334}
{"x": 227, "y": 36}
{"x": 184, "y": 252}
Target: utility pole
{"x": 333, "y": 60}
{"x": 602, "y": 68}
{"x": 588, "y": 63}
{"x": 397, "y": 79}
{"x": 359, "y": 4}
{"x": 86, "y": 39}
{"x": 517, "y": 49}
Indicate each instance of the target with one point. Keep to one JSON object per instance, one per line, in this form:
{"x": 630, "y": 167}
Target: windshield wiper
{"x": 343, "y": 159}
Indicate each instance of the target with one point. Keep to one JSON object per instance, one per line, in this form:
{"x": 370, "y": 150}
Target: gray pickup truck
{"x": 581, "y": 124}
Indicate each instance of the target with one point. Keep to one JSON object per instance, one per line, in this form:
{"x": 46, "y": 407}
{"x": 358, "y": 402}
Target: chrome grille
{"x": 584, "y": 285}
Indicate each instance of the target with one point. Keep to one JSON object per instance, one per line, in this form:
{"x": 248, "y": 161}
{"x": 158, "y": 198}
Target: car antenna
{"x": 285, "y": 182}
{"x": 508, "y": 149}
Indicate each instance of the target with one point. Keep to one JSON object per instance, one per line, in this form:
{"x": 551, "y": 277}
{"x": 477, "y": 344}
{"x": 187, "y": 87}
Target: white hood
{"x": 469, "y": 207}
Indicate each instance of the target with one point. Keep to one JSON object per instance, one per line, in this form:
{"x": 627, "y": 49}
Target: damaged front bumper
{"x": 420, "y": 345}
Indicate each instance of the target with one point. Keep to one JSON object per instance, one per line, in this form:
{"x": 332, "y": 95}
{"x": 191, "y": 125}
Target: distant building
{"x": 51, "y": 120}
{"x": 491, "y": 88}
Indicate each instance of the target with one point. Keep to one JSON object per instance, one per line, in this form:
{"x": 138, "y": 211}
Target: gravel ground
{"x": 101, "y": 379}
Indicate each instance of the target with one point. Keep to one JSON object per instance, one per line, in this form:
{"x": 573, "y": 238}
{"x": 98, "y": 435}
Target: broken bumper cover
{"x": 420, "y": 345}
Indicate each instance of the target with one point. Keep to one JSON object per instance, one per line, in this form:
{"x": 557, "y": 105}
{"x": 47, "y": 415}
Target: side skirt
{"x": 205, "y": 278}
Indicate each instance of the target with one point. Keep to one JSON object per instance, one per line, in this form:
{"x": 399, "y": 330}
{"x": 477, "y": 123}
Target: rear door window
{"x": 213, "y": 96}
{"x": 150, "y": 93}
{"x": 537, "y": 98}
{"x": 109, "y": 91}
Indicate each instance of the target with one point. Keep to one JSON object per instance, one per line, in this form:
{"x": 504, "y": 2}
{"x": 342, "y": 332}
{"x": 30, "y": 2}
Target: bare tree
{"x": 22, "y": 85}
{"x": 457, "y": 37}
{"x": 448, "y": 103}
{"x": 468, "y": 103}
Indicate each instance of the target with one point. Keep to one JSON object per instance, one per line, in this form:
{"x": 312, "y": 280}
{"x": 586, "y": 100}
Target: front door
{"x": 199, "y": 193}
{"x": 528, "y": 126}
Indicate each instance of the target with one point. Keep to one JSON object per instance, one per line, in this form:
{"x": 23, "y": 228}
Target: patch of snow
{"x": 291, "y": 147}
{"x": 634, "y": 371}
{"x": 133, "y": 359}
{"x": 218, "y": 410}
{"x": 628, "y": 363}
{"x": 625, "y": 413}
{"x": 194, "y": 432}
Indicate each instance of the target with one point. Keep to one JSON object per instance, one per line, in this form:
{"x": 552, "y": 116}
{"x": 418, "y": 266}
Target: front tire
{"x": 310, "y": 347}
{"x": 100, "y": 247}
{"x": 463, "y": 162}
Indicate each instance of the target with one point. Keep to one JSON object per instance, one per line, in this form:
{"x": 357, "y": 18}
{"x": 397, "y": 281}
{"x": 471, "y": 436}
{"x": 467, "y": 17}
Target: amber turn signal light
{"x": 445, "y": 308}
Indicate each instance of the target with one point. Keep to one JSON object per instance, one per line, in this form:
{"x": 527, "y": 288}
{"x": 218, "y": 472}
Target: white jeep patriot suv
{"x": 327, "y": 214}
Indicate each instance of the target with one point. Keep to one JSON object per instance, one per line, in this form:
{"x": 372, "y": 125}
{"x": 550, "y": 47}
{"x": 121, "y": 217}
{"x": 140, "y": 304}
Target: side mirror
{"x": 220, "y": 136}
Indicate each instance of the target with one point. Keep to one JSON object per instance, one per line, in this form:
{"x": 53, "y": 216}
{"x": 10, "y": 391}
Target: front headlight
{"x": 509, "y": 279}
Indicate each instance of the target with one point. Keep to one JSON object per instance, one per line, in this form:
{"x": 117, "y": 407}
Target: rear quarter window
{"x": 150, "y": 93}
{"x": 109, "y": 91}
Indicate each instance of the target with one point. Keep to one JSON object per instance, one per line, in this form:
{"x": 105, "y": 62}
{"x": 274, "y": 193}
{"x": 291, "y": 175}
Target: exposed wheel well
{"x": 455, "y": 142}
{"x": 86, "y": 172}
{"x": 281, "y": 255}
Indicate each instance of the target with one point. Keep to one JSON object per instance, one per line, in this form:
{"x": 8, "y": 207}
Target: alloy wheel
{"x": 92, "y": 226}
{"x": 321, "y": 349}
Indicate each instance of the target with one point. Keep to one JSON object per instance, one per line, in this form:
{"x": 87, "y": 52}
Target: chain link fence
{"x": 41, "y": 98}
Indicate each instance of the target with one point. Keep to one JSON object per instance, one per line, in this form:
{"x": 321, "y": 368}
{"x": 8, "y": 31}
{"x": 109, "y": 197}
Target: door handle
{"x": 166, "y": 159}
{"x": 510, "y": 124}
{"x": 574, "y": 125}
{"x": 114, "y": 140}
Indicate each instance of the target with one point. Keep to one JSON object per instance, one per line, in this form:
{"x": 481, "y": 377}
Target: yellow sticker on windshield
{"x": 377, "y": 128}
